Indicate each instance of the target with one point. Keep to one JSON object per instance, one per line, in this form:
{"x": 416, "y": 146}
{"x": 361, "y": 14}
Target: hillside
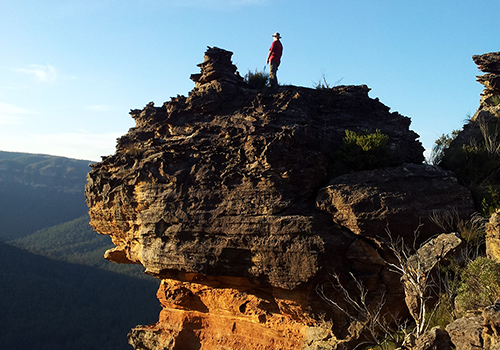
{"x": 56, "y": 289}
{"x": 48, "y": 304}
{"x": 75, "y": 242}
{"x": 38, "y": 191}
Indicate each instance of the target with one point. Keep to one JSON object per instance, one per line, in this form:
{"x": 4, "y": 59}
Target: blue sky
{"x": 70, "y": 70}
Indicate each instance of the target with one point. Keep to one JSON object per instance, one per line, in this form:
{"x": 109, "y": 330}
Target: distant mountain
{"x": 48, "y": 304}
{"x": 38, "y": 191}
{"x": 40, "y": 170}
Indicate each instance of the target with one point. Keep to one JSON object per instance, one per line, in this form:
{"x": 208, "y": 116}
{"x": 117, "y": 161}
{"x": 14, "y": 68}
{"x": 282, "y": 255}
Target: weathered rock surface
{"x": 217, "y": 66}
{"x": 489, "y": 62}
{"x": 493, "y": 237}
{"x": 398, "y": 199}
{"x": 489, "y": 104}
{"x": 232, "y": 197}
{"x": 423, "y": 262}
{"x": 477, "y": 331}
{"x": 465, "y": 333}
{"x": 435, "y": 339}
{"x": 491, "y": 330}
{"x": 433, "y": 251}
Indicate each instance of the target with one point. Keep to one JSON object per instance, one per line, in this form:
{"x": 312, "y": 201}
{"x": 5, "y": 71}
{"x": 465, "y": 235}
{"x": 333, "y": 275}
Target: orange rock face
{"x": 212, "y": 315}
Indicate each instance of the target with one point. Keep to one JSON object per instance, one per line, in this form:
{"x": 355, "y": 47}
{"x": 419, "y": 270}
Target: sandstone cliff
{"x": 489, "y": 104}
{"x": 474, "y": 155}
{"x": 241, "y": 202}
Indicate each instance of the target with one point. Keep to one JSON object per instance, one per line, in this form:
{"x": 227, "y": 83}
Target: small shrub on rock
{"x": 480, "y": 284}
{"x": 494, "y": 100}
{"x": 440, "y": 145}
{"x": 257, "y": 79}
{"x": 363, "y": 151}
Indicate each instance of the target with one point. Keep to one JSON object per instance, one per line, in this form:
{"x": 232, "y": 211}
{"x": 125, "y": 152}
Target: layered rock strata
{"x": 489, "y": 104}
{"x": 232, "y": 197}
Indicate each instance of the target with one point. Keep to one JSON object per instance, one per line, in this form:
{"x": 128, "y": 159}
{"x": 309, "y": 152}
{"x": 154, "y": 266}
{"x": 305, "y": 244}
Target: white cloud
{"x": 11, "y": 115}
{"x": 42, "y": 73}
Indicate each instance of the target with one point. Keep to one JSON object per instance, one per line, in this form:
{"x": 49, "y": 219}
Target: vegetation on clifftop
{"x": 365, "y": 150}
{"x": 474, "y": 156}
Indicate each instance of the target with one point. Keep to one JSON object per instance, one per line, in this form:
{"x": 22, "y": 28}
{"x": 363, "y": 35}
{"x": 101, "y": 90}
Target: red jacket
{"x": 276, "y": 51}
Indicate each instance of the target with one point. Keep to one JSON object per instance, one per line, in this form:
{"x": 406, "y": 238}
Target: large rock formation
{"x": 474, "y": 156}
{"x": 474, "y": 153}
{"x": 489, "y": 104}
{"x": 232, "y": 197}
{"x": 490, "y": 98}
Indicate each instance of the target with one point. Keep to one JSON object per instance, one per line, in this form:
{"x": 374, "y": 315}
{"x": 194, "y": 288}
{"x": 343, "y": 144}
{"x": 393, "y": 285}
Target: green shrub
{"x": 494, "y": 100}
{"x": 443, "y": 313}
{"x": 477, "y": 169}
{"x": 257, "y": 79}
{"x": 476, "y": 162}
{"x": 479, "y": 284}
{"x": 490, "y": 199}
{"x": 440, "y": 145}
{"x": 361, "y": 151}
{"x": 470, "y": 162}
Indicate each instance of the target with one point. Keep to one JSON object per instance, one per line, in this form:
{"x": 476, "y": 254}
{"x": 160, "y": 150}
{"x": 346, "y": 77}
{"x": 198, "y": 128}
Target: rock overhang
{"x": 241, "y": 192}
{"x": 233, "y": 173}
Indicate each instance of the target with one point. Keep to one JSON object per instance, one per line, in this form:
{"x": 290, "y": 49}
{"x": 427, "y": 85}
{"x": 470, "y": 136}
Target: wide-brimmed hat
{"x": 277, "y": 35}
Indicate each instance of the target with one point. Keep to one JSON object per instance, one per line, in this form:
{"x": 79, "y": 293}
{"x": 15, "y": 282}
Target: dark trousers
{"x": 273, "y": 78}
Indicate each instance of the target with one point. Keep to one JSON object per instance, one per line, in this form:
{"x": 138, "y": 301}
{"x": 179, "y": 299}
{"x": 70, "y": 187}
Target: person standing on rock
{"x": 274, "y": 59}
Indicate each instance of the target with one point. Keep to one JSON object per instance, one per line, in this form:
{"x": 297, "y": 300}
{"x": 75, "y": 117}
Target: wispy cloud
{"x": 42, "y": 73}
{"x": 101, "y": 108}
{"x": 11, "y": 115}
{"x": 217, "y": 3}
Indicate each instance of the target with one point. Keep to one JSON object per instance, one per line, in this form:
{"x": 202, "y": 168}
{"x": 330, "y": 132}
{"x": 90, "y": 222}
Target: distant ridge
{"x": 38, "y": 191}
{"x": 56, "y": 289}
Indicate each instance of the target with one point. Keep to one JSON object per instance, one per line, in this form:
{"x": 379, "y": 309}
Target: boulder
{"x": 399, "y": 200}
{"x": 491, "y": 330}
{"x": 435, "y": 339}
{"x": 418, "y": 267}
{"x": 466, "y": 332}
{"x": 476, "y": 331}
{"x": 225, "y": 195}
{"x": 232, "y": 192}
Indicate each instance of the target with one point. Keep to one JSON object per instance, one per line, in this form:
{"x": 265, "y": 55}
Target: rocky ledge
{"x": 243, "y": 201}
